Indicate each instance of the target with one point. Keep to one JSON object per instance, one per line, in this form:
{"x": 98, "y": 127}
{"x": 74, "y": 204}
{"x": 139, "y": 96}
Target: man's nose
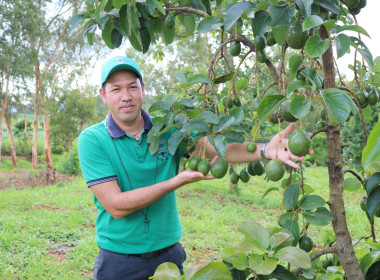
{"x": 125, "y": 95}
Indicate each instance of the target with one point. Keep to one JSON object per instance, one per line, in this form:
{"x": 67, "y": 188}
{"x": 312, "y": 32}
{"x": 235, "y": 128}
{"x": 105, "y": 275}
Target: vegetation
{"x": 45, "y": 235}
{"x": 302, "y": 78}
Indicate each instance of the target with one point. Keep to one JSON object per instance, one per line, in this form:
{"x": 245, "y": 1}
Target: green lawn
{"x": 48, "y": 232}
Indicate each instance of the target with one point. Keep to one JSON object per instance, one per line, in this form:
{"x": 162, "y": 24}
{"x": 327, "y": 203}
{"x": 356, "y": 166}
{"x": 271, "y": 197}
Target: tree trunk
{"x": 3, "y": 108}
{"x": 12, "y": 143}
{"x": 344, "y": 246}
{"x": 48, "y": 155}
{"x": 35, "y": 131}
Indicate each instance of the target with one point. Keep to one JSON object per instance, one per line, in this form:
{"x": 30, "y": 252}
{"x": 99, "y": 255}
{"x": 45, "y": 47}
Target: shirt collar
{"x": 116, "y": 132}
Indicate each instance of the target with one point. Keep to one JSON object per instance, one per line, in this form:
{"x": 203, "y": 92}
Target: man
{"x": 138, "y": 225}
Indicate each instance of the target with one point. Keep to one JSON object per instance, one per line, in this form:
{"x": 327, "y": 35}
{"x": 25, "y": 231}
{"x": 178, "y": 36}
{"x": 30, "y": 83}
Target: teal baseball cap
{"x": 117, "y": 63}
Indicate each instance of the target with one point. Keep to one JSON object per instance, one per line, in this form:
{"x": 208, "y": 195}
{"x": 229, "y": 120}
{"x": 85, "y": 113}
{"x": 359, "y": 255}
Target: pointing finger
{"x": 287, "y": 130}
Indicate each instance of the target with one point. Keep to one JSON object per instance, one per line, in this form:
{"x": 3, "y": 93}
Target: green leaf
{"x": 89, "y": 31}
{"x": 299, "y": 106}
{"x": 168, "y": 35}
{"x": 305, "y": 7}
{"x": 261, "y": 23}
{"x": 262, "y": 266}
{"x": 338, "y": 104}
{"x": 238, "y": 114}
{"x": 180, "y": 77}
{"x": 279, "y": 34}
{"x": 241, "y": 84}
{"x": 159, "y": 105}
{"x": 261, "y": 6}
{"x": 196, "y": 125}
{"x": 235, "y": 12}
{"x": 294, "y": 85}
{"x": 371, "y": 152}
{"x": 281, "y": 15}
{"x": 167, "y": 271}
{"x": 280, "y": 240}
{"x": 295, "y": 62}
{"x": 116, "y": 38}
{"x": 209, "y": 117}
{"x": 268, "y": 105}
{"x": 151, "y": 6}
{"x": 355, "y": 28}
{"x": 310, "y": 202}
{"x": 145, "y": 38}
{"x": 220, "y": 145}
{"x": 291, "y": 196}
{"x": 74, "y": 21}
{"x": 343, "y": 43}
{"x": 118, "y": 3}
{"x": 255, "y": 233}
{"x": 135, "y": 40}
{"x": 106, "y": 34}
{"x": 363, "y": 50}
{"x": 238, "y": 260}
{"x": 234, "y": 136}
{"x": 372, "y": 182}
{"x": 293, "y": 227}
{"x": 224, "y": 78}
{"x": 269, "y": 191}
{"x": 315, "y": 46}
{"x": 198, "y": 78}
{"x": 330, "y": 24}
{"x": 373, "y": 201}
{"x": 368, "y": 260}
{"x": 189, "y": 23}
{"x": 224, "y": 123}
{"x": 329, "y": 5}
{"x": 320, "y": 217}
{"x": 210, "y": 23}
{"x": 154, "y": 143}
{"x": 283, "y": 274}
{"x": 174, "y": 141}
{"x": 312, "y": 76}
{"x": 187, "y": 102}
{"x": 311, "y": 22}
{"x": 213, "y": 271}
{"x": 351, "y": 184}
{"x": 294, "y": 256}
{"x": 159, "y": 7}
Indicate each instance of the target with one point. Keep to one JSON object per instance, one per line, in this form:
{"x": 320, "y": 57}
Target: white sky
{"x": 368, "y": 18}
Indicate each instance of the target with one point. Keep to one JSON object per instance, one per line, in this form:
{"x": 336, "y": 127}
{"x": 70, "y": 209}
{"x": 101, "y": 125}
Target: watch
{"x": 262, "y": 151}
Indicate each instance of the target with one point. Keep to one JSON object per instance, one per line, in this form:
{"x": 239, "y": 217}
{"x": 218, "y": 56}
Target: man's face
{"x": 124, "y": 94}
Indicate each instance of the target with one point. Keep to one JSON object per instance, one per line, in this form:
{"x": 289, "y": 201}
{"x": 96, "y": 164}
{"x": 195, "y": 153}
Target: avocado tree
{"x": 294, "y": 40}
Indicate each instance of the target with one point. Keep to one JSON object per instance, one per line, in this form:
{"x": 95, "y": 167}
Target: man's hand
{"x": 190, "y": 176}
{"x": 278, "y": 148}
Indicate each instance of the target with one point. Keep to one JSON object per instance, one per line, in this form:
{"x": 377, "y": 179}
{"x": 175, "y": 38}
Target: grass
{"x": 48, "y": 232}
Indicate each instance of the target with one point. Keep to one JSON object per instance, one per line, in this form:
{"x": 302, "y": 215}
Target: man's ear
{"x": 103, "y": 95}
{"x": 143, "y": 90}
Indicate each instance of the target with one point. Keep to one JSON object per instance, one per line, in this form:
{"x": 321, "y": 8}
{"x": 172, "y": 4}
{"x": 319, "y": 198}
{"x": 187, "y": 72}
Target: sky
{"x": 368, "y": 18}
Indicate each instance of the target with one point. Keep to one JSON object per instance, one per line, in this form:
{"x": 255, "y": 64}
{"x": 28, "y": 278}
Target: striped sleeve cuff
{"x": 101, "y": 180}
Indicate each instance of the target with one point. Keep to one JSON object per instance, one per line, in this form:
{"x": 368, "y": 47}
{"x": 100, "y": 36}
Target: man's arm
{"x": 119, "y": 204}
{"x": 237, "y": 153}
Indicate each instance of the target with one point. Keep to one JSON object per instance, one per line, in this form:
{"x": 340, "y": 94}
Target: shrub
{"x": 69, "y": 164}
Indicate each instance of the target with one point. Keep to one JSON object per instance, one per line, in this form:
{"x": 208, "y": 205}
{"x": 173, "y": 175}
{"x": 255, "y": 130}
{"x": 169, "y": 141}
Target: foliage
{"x": 23, "y": 148}
{"x": 228, "y": 105}
{"x": 69, "y": 163}
{"x": 319, "y": 144}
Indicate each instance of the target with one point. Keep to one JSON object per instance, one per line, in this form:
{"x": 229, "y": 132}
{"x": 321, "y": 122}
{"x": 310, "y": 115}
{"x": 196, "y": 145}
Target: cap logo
{"x": 120, "y": 60}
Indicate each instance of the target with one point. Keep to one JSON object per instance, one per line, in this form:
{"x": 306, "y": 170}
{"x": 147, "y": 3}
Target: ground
{"x": 20, "y": 180}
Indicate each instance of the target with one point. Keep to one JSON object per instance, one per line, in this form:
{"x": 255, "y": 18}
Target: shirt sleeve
{"x": 95, "y": 163}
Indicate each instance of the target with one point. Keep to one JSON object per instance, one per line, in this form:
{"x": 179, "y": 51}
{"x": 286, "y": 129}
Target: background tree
{"x": 303, "y": 78}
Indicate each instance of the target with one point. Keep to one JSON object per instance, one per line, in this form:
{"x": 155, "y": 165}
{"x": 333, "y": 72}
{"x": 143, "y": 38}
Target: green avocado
{"x": 193, "y": 163}
{"x": 250, "y": 168}
{"x": 373, "y": 97}
{"x": 169, "y": 22}
{"x": 270, "y": 39}
{"x": 235, "y": 48}
{"x": 295, "y": 36}
{"x": 258, "y": 168}
{"x": 274, "y": 170}
{"x": 260, "y": 42}
{"x": 219, "y": 169}
{"x": 234, "y": 178}
{"x": 353, "y": 3}
{"x": 188, "y": 144}
{"x": 251, "y": 147}
{"x": 299, "y": 143}
{"x": 306, "y": 243}
{"x": 244, "y": 175}
{"x": 204, "y": 166}
{"x": 261, "y": 56}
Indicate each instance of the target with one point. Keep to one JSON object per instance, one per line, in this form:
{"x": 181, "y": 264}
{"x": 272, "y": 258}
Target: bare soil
{"x": 20, "y": 180}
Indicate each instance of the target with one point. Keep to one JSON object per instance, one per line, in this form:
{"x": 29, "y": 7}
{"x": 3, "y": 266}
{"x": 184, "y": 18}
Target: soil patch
{"x": 20, "y": 180}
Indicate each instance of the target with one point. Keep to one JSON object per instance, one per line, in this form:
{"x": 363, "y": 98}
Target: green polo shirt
{"x": 107, "y": 153}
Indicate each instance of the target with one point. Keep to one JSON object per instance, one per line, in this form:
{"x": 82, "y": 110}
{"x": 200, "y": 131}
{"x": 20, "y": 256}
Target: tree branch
{"x": 188, "y": 10}
{"x": 354, "y": 173}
